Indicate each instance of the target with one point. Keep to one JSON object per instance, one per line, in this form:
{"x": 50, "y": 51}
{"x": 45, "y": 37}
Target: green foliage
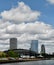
{"x": 11, "y": 53}
{"x": 2, "y": 54}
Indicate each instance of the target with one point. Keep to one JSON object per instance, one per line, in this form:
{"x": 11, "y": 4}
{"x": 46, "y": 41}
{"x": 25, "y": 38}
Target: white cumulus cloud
{"x": 51, "y": 1}
{"x": 22, "y": 22}
{"x": 21, "y": 13}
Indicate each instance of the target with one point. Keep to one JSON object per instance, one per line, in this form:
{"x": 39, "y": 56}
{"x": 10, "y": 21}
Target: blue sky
{"x": 27, "y": 20}
{"x": 46, "y": 9}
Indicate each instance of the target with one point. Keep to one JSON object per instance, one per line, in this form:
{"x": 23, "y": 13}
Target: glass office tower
{"x": 34, "y": 46}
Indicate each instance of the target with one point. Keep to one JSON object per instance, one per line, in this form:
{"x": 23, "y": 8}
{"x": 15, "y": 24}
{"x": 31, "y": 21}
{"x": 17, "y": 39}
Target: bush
{"x": 2, "y": 54}
{"x": 11, "y": 53}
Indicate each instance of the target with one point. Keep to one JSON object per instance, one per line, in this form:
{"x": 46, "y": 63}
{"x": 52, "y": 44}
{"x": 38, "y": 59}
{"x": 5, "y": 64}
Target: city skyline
{"x": 27, "y": 20}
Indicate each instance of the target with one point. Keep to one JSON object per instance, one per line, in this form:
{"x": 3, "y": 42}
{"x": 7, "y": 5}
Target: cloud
{"x": 32, "y": 31}
{"x": 27, "y": 32}
{"x": 21, "y": 13}
{"x": 32, "y": 28}
{"x": 22, "y": 22}
{"x": 51, "y": 1}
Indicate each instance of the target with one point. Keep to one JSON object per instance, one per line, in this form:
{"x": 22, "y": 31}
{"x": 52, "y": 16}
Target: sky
{"x": 27, "y": 20}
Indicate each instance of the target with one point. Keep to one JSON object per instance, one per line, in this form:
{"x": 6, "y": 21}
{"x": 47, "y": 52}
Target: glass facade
{"x": 34, "y": 46}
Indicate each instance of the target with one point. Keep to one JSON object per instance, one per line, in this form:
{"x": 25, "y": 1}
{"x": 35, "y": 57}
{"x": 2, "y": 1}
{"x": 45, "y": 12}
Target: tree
{"x": 2, "y": 54}
{"x": 11, "y": 53}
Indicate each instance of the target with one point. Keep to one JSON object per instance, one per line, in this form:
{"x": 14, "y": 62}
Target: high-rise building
{"x": 42, "y": 48}
{"x": 13, "y": 43}
{"x": 34, "y": 46}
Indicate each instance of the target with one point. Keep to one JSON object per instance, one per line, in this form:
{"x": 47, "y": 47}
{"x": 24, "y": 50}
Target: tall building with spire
{"x": 42, "y": 48}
